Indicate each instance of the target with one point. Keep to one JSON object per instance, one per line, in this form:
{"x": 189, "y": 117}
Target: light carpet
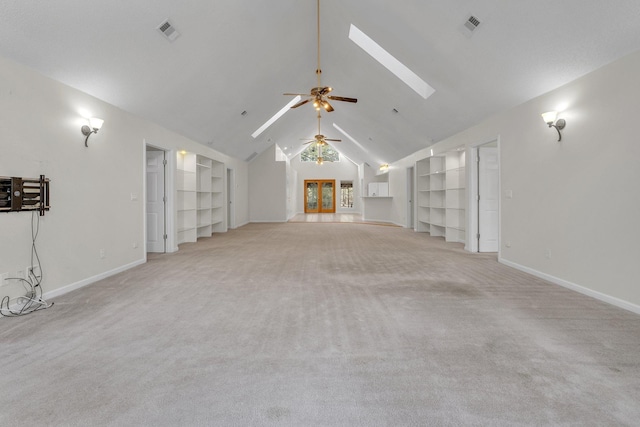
{"x": 321, "y": 325}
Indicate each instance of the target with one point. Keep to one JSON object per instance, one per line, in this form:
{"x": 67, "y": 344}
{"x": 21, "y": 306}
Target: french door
{"x": 319, "y": 196}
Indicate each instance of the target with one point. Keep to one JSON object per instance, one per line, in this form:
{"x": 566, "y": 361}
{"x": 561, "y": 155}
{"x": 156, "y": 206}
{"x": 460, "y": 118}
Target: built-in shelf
{"x": 200, "y": 197}
{"x": 441, "y": 195}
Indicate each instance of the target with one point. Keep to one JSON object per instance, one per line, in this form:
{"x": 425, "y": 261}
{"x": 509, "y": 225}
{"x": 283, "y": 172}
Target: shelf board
{"x": 183, "y": 229}
{"x": 437, "y": 225}
{"x": 203, "y": 165}
{"x": 456, "y": 188}
{"x": 456, "y": 228}
{"x": 457, "y": 209}
{"x": 437, "y": 207}
{"x": 438, "y": 189}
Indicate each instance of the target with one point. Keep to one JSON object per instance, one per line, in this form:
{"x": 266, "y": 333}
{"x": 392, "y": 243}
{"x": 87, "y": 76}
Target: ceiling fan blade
{"x": 304, "y": 101}
{"x": 327, "y": 107}
{"x": 308, "y": 142}
{"x": 342, "y": 98}
{"x": 334, "y": 140}
{"x": 325, "y": 90}
{"x": 294, "y": 94}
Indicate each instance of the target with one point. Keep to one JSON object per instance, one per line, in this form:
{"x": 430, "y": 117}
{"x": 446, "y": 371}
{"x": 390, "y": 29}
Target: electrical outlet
{"x": 547, "y": 253}
{"x": 3, "y": 279}
{"x": 20, "y": 274}
{"x": 103, "y": 254}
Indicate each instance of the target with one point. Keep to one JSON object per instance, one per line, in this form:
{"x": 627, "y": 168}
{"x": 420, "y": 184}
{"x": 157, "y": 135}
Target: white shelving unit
{"x": 437, "y": 195}
{"x": 441, "y": 196}
{"x": 187, "y": 197}
{"x": 200, "y": 197}
{"x": 423, "y": 198}
{"x": 204, "y": 196}
{"x": 456, "y": 196}
{"x": 218, "y": 206}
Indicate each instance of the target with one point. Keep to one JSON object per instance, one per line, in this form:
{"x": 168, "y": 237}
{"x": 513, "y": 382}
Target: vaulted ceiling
{"x": 240, "y": 55}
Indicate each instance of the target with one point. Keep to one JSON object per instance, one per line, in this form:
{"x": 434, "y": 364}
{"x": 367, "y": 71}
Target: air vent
{"x": 248, "y": 159}
{"x": 168, "y": 30}
{"x": 472, "y": 23}
{"x": 470, "y": 26}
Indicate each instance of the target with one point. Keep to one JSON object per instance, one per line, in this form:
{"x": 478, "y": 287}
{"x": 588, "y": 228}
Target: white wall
{"x": 90, "y": 187}
{"x": 268, "y": 187}
{"x": 344, "y": 170}
{"x": 577, "y": 198}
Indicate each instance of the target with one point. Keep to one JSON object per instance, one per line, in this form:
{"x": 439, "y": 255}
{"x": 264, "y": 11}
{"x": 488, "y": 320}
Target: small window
{"x": 346, "y": 194}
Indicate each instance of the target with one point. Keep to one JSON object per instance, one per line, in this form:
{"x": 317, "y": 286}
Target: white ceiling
{"x": 240, "y": 55}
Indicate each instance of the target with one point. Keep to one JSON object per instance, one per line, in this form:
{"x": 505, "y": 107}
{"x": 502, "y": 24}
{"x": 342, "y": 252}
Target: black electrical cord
{"x": 33, "y": 297}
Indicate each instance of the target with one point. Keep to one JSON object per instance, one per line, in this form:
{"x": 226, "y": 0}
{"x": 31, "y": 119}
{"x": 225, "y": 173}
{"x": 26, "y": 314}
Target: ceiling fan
{"x": 320, "y": 94}
{"x": 320, "y": 139}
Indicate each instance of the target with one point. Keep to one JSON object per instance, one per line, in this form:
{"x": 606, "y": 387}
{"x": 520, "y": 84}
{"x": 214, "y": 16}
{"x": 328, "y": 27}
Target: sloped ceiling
{"x": 241, "y": 55}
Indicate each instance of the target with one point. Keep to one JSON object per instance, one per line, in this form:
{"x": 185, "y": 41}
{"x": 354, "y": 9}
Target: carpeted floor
{"x": 321, "y": 325}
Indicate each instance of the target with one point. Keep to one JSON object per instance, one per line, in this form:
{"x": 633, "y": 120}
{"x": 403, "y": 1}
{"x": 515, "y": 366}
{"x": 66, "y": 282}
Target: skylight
{"x": 392, "y": 64}
{"x": 275, "y": 117}
{"x": 350, "y": 137}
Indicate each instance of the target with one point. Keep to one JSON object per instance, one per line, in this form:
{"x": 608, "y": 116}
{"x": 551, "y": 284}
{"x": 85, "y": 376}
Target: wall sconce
{"x": 550, "y": 119}
{"x": 384, "y": 167}
{"x": 94, "y": 126}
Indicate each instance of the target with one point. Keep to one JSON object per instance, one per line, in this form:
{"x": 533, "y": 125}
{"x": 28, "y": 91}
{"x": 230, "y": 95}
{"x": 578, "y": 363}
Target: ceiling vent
{"x": 470, "y": 26}
{"x": 248, "y": 159}
{"x": 168, "y": 30}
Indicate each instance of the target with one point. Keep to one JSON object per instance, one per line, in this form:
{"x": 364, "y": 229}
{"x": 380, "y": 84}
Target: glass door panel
{"x": 327, "y": 197}
{"x": 319, "y": 196}
{"x": 311, "y": 196}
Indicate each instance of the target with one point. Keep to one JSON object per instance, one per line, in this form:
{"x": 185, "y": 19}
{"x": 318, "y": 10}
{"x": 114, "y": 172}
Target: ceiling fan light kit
{"x": 320, "y": 94}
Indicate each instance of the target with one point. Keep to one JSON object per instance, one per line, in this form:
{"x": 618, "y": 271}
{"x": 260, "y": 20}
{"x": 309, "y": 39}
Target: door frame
{"x": 169, "y": 191}
{"x": 411, "y": 214}
{"x": 162, "y": 181}
{"x": 472, "y": 196}
{"x": 231, "y": 207}
{"x": 320, "y": 181}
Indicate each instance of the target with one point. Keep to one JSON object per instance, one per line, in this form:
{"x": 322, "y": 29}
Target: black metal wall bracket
{"x": 24, "y": 194}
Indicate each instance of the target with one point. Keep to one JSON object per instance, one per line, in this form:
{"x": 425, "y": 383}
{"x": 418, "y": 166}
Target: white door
{"x": 488, "y": 190}
{"x": 155, "y": 201}
{"x": 410, "y": 185}
{"x": 231, "y": 216}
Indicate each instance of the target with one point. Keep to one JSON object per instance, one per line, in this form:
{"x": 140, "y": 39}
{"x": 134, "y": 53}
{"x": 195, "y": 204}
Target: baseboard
{"x": 266, "y": 221}
{"x": 82, "y": 283}
{"x": 574, "y": 287}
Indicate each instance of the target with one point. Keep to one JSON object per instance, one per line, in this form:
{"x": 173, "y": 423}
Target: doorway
{"x": 410, "y": 189}
{"x": 484, "y": 199}
{"x": 488, "y": 223}
{"x": 231, "y": 216}
{"x": 156, "y": 210}
{"x": 319, "y": 196}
